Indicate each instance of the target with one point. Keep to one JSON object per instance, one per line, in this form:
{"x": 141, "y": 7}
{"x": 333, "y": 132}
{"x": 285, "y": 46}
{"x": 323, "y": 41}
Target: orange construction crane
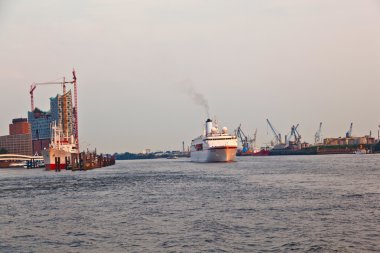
{"x": 33, "y": 87}
{"x": 76, "y": 109}
{"x": 63, "y": 83}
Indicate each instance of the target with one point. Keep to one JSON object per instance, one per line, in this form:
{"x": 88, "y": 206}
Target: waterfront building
{"x": 19, "y": 126}
{"x": 40, "y": 122}
{"x": 19, "y": 140}
{"x": 62, "y": 117}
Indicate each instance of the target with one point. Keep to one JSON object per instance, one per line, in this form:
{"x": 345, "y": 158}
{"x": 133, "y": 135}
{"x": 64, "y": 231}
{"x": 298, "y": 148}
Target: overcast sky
{"x": 292, "y": 61}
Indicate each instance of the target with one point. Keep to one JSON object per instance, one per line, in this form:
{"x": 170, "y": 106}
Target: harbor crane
{"x": 246, "y": 142}
{"x": 254, "y": 138}
{"x": 277, "y": 135}
{"x": 349, "y": 133}
{"x": 318, "y": 135}
{"x": 294, "y": 134}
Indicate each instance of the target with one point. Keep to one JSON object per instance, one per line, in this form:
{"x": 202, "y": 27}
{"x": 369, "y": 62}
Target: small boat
{"x": 17, "y": 165}
{"x": 360, "y": 152}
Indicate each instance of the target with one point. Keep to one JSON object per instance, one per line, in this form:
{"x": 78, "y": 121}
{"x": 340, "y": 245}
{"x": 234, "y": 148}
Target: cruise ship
{"x": 213, "y": 145}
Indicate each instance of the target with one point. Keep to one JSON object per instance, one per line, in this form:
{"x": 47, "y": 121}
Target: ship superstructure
{"x": 213, "y": 145}
{"x": 59, "y": 154}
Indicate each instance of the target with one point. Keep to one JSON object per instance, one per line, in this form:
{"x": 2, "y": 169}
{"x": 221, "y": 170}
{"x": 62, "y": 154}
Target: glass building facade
{"x": 41, "y": 121}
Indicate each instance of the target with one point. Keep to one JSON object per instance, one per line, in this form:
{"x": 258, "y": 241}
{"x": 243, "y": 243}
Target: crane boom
{"x": 351, "y": 129}
{"x": 277, "y": 135}
{"x": 33, "y": 87}
{"x": 45, "y": 83}
{"x": 293, "y": 134}
{"x": 318, "y": 134}
{"x": 243, "y": 138}
{"x": 296, "y": 130}
{"x": 297, "y": 134}
{"x": 349, "y": 133}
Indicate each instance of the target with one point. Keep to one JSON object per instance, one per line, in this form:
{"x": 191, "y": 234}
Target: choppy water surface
{"x": 261, "y": 204}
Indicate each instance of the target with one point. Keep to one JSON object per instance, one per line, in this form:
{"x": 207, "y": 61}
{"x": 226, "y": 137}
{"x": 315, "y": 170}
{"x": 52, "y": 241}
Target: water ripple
{"x": 261, "y": 204}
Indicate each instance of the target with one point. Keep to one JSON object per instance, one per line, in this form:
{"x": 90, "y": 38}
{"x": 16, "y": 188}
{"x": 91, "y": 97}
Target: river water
{"x": 260, "y": 204}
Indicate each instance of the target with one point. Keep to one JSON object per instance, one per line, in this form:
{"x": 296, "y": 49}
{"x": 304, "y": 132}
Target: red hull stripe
{"x": 227, "y": 147}
{"x": 52, "y": 166}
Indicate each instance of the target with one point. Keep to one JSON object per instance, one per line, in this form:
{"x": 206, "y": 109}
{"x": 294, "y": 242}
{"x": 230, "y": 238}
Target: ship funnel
{"x": 208, "y": 126}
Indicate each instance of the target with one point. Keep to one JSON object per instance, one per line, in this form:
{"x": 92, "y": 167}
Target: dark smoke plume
{"x": 197, "y": 97}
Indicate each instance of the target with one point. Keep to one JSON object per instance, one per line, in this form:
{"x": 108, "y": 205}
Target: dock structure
{"x": 81, "y": 161}
{"x": 32, "y": 161}
{"x": 90, "y": 160}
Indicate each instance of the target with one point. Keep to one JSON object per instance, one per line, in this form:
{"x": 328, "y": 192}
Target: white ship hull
{"x": 223, "y": 154}
{"x": 56, "y": 158}
{"x": 213, "y": 145}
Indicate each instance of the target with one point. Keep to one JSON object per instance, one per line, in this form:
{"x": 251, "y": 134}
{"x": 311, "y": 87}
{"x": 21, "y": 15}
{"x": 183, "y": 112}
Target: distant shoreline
{"x": 132, "y": 156}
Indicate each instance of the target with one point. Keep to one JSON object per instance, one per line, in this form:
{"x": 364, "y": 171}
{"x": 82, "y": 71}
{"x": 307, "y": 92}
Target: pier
{"x": 32, "y": 161}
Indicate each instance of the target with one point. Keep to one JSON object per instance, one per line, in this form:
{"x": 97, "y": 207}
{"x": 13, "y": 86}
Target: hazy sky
{"x": 292, "y": 61}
